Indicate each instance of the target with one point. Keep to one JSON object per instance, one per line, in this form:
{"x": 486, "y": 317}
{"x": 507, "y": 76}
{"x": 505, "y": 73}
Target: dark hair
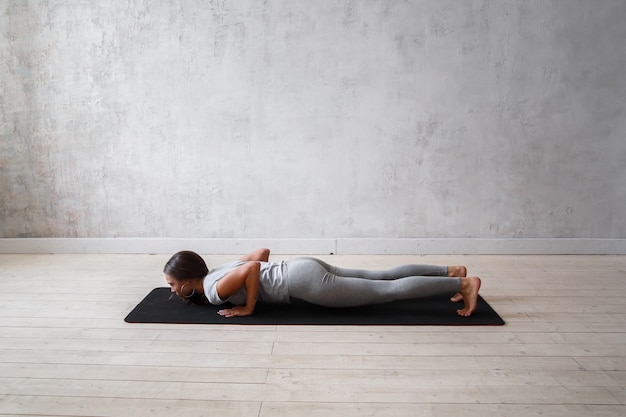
{"x": 185, "y": 265}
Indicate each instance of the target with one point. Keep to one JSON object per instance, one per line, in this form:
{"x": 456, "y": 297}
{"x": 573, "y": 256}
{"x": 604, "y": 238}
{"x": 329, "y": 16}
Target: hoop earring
{"x": 193, "y": 291}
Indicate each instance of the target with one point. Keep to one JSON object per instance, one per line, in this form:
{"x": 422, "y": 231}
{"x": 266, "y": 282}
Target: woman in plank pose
{"x": 253, "y": 278}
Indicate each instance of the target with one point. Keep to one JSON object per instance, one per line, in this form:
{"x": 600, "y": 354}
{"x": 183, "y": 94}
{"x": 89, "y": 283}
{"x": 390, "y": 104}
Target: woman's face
{"x": 175, "y": 285}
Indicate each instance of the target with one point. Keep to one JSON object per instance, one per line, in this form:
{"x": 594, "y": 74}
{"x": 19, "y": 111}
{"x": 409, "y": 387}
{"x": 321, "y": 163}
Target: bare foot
{"x": 469, "y": 291}
{"x": 457, "y": 271}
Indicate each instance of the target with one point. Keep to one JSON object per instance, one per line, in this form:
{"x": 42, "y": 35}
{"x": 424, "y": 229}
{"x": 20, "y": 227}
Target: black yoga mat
{"x": 157, "y": 307}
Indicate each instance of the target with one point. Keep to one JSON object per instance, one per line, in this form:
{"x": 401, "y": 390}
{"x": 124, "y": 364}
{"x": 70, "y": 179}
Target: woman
{"x": 253, "y": 278}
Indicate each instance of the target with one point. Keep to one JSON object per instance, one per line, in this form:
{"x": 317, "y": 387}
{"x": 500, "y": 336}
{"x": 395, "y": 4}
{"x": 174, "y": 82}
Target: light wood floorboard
{"x": 66, "y": 351}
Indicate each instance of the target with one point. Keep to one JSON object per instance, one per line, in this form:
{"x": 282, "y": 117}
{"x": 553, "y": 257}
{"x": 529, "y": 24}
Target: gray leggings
{"x": 317, "y": 282}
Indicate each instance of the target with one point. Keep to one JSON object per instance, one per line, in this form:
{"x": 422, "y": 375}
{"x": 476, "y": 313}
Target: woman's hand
{"x": 239, "y": 311}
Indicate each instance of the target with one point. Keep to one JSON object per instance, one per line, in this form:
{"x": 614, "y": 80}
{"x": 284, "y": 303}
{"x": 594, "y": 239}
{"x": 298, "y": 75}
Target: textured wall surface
{"x": 326, "y": 118}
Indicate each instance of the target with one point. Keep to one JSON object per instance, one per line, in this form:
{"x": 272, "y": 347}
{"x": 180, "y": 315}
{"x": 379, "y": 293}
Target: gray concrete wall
{"x": 313, "y": 119}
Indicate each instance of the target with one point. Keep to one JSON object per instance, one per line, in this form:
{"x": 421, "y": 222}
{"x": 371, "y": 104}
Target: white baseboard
{"x": 342, "y": 246}
{"x": 483, "y": 246}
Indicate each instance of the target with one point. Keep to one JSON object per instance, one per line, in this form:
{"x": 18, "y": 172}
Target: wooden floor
{"x": 65, "y": 349}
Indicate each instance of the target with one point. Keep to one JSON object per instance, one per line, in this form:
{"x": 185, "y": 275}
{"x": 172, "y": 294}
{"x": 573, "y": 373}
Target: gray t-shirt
{"x": 272, "y": 286}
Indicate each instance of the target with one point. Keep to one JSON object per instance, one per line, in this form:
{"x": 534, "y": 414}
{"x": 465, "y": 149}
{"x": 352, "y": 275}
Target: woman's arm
{"x": 246, "y": 275}
{"x": 262, "y": 255}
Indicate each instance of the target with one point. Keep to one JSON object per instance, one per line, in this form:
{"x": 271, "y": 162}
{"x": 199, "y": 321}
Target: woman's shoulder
{"x": 225, "y": 268}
